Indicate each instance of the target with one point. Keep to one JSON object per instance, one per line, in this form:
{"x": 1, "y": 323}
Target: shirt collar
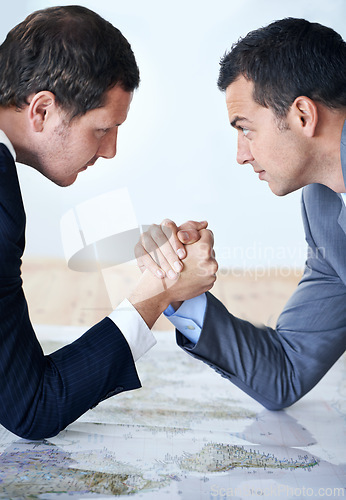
{"x": 5, "y": 140}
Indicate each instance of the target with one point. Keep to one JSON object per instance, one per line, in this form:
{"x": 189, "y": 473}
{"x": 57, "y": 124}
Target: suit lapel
{"x": 342, "y": 215}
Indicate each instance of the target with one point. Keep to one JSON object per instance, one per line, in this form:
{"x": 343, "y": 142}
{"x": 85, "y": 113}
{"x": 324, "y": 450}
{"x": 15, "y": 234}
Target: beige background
{"x": 59, "y": 296}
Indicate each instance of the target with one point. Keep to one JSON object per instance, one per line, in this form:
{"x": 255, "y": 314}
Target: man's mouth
{"x": 260, "y": 173}
{"x": 87, "y": 165}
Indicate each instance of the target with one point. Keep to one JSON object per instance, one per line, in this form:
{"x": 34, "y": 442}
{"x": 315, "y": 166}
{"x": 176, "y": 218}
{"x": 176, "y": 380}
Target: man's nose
{"x": 244, "y": 154}
{"x": 108, "y": 146}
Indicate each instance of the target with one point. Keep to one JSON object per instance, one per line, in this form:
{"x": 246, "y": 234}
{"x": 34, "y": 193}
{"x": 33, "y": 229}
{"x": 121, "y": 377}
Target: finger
{"x": 145, "y": 261}
{"x": 170, "y": 229}
{"x": 151, "y": 252}
{"x": 192, "y": 224}
{"x": 168, "y": 259}
{"x": 156, "y": 262}
{"x": 188, "y": 236}
{"x": 154, "y": 244}
{"x": 189, "y": 232}
{"x": 214, "y": 267}
{"x": 207, "y": 236}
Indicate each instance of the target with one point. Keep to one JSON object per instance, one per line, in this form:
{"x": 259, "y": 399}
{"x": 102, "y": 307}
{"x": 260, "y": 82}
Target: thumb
{"x": 188, "y": 236}
{"x": 192, "y": 224}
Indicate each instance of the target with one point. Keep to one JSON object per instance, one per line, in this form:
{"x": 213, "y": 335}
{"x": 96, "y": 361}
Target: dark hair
{"x": 70, "y": 51}
{"x": 286, "y": 59}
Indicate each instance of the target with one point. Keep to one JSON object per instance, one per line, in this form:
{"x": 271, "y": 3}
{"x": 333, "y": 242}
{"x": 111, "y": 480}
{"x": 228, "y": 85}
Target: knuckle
{"x": 168, "y": 223}
{"x": 165, "y": 266}
{"x": 144, "y": 238}
{"x": 139, "y": 251}
{"x": 149, "y": 229}
{"x": 210, "y": 234}
{"x": 170, "y": 231}
{"x": 206, "y": 250}
{"x": 194, "y": 234}
{"x": 155, "y": 230}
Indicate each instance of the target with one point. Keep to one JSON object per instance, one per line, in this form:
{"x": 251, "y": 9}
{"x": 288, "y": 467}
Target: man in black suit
{"x": 67, "y": 81}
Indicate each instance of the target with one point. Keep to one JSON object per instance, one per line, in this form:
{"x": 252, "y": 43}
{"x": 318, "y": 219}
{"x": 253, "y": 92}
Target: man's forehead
{"x": 239, "y": 100}
{"x": 241, "y": 90}
{"x": 115, "y": 106}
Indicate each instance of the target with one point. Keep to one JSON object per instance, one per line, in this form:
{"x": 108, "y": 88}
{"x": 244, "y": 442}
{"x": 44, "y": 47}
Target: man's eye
{"x": 245, "y": 131}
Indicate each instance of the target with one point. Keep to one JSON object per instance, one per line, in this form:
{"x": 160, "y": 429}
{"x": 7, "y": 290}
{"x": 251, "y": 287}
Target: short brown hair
{"x": 70, "y": 51}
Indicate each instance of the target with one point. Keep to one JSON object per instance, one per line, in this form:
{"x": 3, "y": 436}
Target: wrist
{"x": 150, "y": 297}
{"x": 176, "y": 304}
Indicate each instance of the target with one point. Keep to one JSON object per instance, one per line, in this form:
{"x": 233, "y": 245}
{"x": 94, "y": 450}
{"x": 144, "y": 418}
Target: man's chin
{"x": 280, "y": 190}
{"x": 68, "y": 181}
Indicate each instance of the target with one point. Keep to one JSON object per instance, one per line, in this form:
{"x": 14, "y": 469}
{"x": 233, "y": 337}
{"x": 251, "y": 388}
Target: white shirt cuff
{"x": 134, "y": 328}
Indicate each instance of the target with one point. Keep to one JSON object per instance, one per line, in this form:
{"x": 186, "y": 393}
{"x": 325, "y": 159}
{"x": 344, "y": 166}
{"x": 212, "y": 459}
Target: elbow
{"x": 280, "y": 403}
{"x": 33, "y": 428}
{"x": 33, "y": 433}
{"x": 282, "y": 392}
{"x": 276, "y": 406}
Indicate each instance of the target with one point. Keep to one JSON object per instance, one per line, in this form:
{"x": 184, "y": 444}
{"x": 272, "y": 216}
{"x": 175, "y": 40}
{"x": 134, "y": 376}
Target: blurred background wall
{"x": 176, "y": 151}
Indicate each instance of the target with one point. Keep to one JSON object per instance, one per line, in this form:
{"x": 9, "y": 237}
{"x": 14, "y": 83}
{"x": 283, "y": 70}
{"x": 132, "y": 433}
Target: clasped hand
{"x": 182, "y": 257}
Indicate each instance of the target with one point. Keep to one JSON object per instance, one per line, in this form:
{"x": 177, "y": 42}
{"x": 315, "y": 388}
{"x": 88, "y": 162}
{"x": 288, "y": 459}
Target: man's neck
{"x": 330, "y": 160}
{"x": 12, "y": 123}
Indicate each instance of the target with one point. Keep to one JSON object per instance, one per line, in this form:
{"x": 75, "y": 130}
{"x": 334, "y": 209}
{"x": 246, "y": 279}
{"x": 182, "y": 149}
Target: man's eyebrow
{"x": 237, "y": 119}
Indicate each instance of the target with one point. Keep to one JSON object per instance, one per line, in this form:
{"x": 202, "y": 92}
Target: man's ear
{"x": 41, "y": 107}
{"x": 304, "y": 113}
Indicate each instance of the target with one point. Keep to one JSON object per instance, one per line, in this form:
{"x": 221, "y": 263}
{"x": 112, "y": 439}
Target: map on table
{"x": 186, "y": 434}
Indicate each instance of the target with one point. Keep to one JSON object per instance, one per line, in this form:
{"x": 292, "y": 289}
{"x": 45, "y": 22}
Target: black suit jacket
{"x": 40, "y": 395}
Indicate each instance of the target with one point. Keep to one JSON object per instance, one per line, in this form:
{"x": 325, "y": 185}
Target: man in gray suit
{"x": 285, "y": 88}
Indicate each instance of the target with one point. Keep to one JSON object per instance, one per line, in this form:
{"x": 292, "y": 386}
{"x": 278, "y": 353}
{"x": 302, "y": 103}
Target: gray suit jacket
{"x": 277, "y": 367}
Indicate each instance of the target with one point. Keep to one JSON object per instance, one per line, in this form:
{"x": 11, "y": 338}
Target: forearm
{"x": 40, "y": 395}
{"x": 275, "y": 367}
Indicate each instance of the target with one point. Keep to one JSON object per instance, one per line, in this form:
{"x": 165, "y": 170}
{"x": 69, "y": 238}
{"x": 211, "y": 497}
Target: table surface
{"x": 187, "y": 434}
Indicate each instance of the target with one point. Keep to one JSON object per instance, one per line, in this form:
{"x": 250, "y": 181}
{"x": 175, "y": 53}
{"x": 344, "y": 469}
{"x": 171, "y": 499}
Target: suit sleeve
{"x": 278, "y": 366}
{"x": 40, "y": 395}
